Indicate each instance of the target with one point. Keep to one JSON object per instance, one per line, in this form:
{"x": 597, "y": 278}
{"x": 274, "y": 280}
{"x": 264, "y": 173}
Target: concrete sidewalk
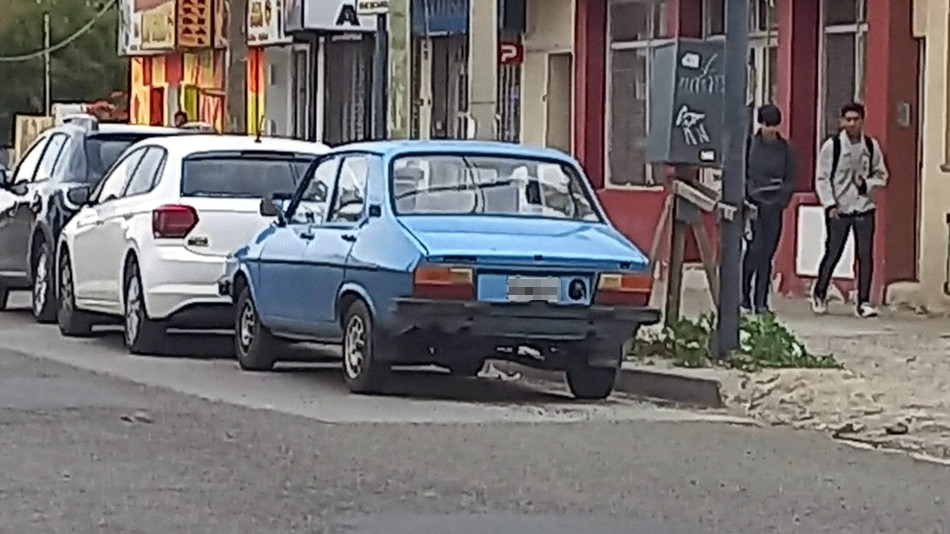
{"x": 893, "y": 392}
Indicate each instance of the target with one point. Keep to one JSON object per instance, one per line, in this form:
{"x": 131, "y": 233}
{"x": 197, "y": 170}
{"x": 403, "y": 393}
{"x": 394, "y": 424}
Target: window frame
{"x": 859, "y": 30}
{"x": 37, "y": 179}
{"x": 96, "y": 194}
{"x": 40, "y": 144}
{"x": 155, "y": 177}
{"x": 297, "y": 198}
{"x": 613, "y": 46}
{"x": 328, "y": 220}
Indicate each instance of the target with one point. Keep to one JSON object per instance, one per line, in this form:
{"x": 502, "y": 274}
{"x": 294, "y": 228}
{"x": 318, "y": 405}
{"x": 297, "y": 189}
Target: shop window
{"x": 763, "y": 16}
{"x": 637, "y": 27}
{"x": 845, "y": 28}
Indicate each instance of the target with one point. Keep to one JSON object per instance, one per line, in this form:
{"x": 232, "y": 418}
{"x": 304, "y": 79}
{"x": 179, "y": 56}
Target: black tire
{"x": 4, "y": 296}
{"x": 363, "y": 371}
{"x": 43, "y": 299}
{"x": 254, "y": 345}
{"x": 591, "y": 383}
{"x": 72, "y": 322}
{"x": 142, "y": 334}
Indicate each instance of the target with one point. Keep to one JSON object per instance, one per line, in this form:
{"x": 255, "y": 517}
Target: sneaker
{"x": 865, "y": 311}
{"x": 763, "y": 310}
{"x": 818, "y": 306}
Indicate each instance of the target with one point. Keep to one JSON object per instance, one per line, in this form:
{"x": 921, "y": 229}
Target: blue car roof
{"x": 397, "y": 148}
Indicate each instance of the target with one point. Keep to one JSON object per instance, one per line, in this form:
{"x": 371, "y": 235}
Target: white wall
{"x": 550, "y": 28}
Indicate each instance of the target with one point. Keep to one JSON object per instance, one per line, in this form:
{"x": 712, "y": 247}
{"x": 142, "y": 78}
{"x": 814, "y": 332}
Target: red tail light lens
{"x": 443, "y": 282}
{"x": 624, "y": 289}
{"x": 173, "y": 221}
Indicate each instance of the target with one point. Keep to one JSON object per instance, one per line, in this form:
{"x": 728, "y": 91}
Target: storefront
{"x": 176, "y": 51}
{"x": 338, "y": 61}
{"x": 807, "y": 72}
{"x": 271, "y": 108}
{"x": 440, "y": 48}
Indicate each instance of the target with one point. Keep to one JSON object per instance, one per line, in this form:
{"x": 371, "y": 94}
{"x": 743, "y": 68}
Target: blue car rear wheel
{"x": 363, "y": 370}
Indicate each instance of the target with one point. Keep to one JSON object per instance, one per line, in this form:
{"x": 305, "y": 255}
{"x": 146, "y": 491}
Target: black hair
{"x": 180, "y": 113}
{"x": 852, "y": 107}
{"x": 770, "y": 115}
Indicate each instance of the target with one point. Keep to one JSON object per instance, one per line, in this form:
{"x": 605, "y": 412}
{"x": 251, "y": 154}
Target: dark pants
{"x": 757, "y": 264}
{"x": 837, "y": 235}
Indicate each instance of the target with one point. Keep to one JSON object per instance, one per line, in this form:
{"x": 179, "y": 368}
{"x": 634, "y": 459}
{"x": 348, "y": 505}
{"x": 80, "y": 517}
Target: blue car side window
{"x": 313, "y": 202}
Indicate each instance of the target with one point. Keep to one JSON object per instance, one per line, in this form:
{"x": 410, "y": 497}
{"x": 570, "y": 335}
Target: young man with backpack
{"x": 770, "y": 182}
{"x": 850, "y": 168}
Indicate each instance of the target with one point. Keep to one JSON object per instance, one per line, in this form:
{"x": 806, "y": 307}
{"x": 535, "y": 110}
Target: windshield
{"x": 490, "y": 185}
{"x": 243, "y": 174}
{"x": 103, "y": 150}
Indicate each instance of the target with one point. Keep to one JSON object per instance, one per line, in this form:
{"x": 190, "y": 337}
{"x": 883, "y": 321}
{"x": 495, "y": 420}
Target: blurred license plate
{"x": 526, "y": 289}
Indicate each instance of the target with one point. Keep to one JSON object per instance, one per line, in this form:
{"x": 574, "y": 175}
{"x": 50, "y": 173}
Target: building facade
{"x": 931, "y": 22}
{"x": 808, "y": 56}
{"x": 176, "y": 50}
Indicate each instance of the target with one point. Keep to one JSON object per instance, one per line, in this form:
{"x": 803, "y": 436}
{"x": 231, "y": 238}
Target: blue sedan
{"x": 446, "y": 253}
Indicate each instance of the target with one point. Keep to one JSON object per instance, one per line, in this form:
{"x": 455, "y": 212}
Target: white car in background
{"x": 151, "y": 240}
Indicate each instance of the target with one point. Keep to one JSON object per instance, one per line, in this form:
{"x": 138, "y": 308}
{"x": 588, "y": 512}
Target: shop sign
{"x": 146, "y": 26}
{"x": 510, "y": 53}
{"x": 372, "y": 7}
{"x": 265, "y": 23}
{"x": 326, "y": 15}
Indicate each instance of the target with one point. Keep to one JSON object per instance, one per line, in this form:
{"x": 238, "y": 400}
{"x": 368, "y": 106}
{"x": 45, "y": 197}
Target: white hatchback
{"x": 151, "y": 241}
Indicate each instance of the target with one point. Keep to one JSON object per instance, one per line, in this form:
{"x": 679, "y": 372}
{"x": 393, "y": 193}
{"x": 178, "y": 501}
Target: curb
{"x": 670, "y": 386}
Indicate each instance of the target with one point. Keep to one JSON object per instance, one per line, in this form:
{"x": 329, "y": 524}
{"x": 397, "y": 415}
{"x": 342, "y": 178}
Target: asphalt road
{"x": 120, "y": 444}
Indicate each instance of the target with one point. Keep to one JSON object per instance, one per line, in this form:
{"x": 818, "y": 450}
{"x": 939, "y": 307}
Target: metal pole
{"x": 47, "y": 96}
{"x": 381, "y": 77}
{"x": 733, "y": 181}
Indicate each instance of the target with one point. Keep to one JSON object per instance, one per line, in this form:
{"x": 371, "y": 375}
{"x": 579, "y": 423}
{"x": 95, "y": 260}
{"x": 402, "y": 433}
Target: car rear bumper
{"x": 179, "y": 283}
{"x": 535, "y": 321}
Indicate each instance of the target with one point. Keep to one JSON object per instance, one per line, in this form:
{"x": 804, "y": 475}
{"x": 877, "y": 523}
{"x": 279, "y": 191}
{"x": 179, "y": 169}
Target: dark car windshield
{"x": 249, "y": 174}
{"x": 102, "y": 150}
{"x": 490, "y": 185}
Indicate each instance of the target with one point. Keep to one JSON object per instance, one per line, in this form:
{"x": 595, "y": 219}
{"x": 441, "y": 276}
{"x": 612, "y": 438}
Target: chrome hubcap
{"x": 133, "y": 310}
{"x": 40, "y": 283}
{"x": 247, "y": 326}
{"x": 354, "y": 347}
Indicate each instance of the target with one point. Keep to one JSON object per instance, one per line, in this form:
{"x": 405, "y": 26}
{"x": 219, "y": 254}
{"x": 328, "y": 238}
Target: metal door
{"x": 449, "y": 86}
{"x": 348, "y": 90}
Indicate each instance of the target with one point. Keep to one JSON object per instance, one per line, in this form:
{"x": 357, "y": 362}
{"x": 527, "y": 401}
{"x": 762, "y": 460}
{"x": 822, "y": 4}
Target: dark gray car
{"x": 34, "y": 206}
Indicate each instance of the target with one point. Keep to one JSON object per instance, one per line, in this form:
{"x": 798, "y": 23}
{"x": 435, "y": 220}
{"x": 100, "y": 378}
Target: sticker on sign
{"x": 372, "y": 7}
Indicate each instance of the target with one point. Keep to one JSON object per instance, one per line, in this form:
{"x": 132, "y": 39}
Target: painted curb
{"x": 670, "y": 386}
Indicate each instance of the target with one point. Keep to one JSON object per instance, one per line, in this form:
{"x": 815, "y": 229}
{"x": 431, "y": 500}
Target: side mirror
{"x": 269, "y": 208}
{"x": 78, "y": 196}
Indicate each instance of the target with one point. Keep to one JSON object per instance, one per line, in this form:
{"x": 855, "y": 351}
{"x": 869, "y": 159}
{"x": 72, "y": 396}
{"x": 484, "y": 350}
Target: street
{"x": 115, "y": 443}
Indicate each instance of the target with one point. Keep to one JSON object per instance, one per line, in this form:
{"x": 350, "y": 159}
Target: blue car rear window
{"x": 490, "y": 185}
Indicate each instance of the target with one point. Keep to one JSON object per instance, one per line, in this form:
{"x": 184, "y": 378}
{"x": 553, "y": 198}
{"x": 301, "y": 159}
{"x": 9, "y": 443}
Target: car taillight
{"x": 624, "y": 289}
{"x": 173, "y": 220}
{"x": 443, "y": 282}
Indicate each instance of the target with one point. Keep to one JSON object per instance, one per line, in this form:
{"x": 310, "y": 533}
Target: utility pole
{"x": 733, "y": 176}
{"x": 381, "y": 77}
{"x": 236, "y": 84}
{"x": 47, "y": 96}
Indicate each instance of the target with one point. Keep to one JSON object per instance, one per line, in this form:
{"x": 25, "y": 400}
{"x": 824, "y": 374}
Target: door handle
{"x": 348, "y": 237}
{"x": 306, "y": 234}
{"x": 127, "y": 216}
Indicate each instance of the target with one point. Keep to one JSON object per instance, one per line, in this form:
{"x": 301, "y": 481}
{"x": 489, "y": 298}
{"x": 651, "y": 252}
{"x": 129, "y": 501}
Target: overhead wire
{"x": 62, "y": 44}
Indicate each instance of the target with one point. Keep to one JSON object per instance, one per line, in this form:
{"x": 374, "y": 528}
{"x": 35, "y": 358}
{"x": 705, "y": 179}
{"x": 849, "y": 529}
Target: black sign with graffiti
{"x": 686, "y": 103}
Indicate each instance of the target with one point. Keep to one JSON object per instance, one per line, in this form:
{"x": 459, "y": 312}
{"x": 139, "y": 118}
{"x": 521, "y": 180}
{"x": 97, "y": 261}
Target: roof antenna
{"x": 260, "y": 129}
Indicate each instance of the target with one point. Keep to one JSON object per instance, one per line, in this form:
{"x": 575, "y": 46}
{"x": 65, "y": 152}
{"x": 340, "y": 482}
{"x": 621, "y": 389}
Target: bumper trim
{"x": 540, "y": 310}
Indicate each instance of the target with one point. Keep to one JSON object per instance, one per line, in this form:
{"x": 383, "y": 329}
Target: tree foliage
{"x": 88, "y": 69}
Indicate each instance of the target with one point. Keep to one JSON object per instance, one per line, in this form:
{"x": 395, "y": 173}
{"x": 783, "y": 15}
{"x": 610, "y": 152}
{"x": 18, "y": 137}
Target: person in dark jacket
{"x": 770, "y": 182}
